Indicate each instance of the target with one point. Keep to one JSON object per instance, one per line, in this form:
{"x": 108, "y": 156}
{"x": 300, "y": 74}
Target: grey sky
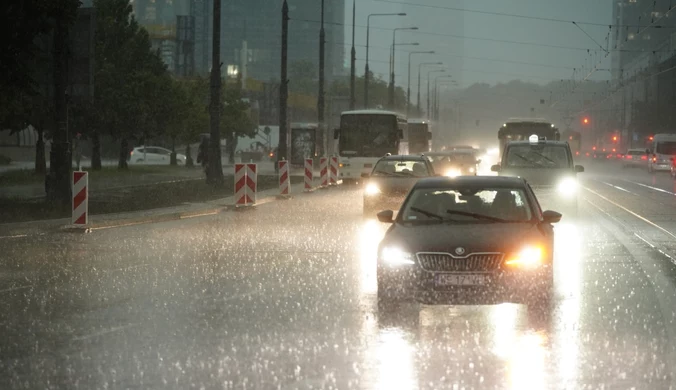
{"x": 469, "y": 60}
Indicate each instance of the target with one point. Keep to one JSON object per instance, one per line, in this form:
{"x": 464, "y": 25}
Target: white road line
{"x": 619, "y": 188}
{"x": 103, "y": 332}
{"x": 15, "y": 288}
{"x": 642, "y": 218}
{"x": 652, "y": 188}
{"x": 656, "y": 248}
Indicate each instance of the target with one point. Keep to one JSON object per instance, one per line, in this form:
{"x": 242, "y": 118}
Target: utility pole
{"x": 57, "y": 185}
{"x": 353, "y": 59}
{"x": 320, "y": 95}
{"x": 215, "y": 168}
{"x": 283, "y": 85}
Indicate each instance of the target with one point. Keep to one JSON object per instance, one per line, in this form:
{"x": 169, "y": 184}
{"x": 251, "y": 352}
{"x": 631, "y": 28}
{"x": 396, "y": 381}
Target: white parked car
{"x": 154, "y": 155}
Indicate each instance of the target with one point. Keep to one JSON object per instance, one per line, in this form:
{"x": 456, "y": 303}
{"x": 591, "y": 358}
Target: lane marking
{"x": 642, "y": 218}
{"x": 619, "y": 188}
{"x": 656, "y": 248}
{"x": 652, "y": 188}
{"x": 15, "y": 288}
{"x": 104, "y": 332}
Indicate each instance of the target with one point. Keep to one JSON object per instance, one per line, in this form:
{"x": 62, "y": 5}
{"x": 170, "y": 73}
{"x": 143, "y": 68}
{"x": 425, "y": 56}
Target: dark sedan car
{"x": 391, "y": 179}
{"x": 468, "y": 238}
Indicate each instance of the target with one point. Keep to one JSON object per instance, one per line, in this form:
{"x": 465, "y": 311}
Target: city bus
{"x": 364, "y": 137}
{"x": 419, "y": 136}
{"x": 519, "y": 129}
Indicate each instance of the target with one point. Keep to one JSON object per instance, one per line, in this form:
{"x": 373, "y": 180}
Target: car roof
{"x": 472, "y": 181}
{"x": 540, "y": 142}
{"x": 408, "y": 157}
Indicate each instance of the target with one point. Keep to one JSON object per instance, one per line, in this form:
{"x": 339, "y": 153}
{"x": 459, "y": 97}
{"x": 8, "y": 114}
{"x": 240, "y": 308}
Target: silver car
{"x": 636, "y": 158}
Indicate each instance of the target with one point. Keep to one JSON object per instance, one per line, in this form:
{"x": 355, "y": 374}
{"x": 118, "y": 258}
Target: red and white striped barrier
{"x": 308, "y": 174}
{"x": 334, "y": 171}
{"x": 324, "y": 171}
{"x": 80, "y": 206}
{"x": 245, "y": 184}
{"x": 283, "y": 178}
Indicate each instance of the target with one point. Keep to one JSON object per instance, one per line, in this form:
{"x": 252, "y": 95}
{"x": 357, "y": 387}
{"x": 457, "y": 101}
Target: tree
{"x": 235, "y": 119}
{"x": 378, "y": 92}
{"x": 127, "y": 74}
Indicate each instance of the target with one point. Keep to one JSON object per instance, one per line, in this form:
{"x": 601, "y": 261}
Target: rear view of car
{"x": 636, "y": 158}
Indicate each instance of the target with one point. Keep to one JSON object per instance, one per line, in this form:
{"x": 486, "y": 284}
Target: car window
{"x": 432, "y": 204}
{"x": 538, "y": 156}
{"x": 140, "y": 150}
{"x": 416, "y": 168}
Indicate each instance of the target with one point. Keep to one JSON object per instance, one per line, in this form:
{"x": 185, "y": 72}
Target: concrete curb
{"x": 210, "y": 208}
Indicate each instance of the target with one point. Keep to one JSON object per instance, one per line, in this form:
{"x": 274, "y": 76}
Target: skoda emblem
{"x": 459, "y": 250}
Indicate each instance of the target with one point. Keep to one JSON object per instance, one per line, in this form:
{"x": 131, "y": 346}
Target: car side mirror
{"x": 579, "y": 168}
{"x": 550, "y": 216}
{"x": 495, "y": 168}
{"x": 401, "y": 134}
{"x": 386, "y": 216}
{"x": 336, "y": 133}
{"x": 365, "y": 175}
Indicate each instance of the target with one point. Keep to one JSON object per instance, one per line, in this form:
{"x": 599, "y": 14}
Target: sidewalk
{"x": 187, "y": 210}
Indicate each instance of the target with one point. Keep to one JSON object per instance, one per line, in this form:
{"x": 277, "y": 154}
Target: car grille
{"x": 445, "y": 262}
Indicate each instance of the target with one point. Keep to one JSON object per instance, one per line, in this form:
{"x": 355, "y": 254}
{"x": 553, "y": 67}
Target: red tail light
{"x": 644, "y": 157}
{"x": 587, "y": 154}
{"x": 628, "y": 157}
{"x": 577, "y": 153}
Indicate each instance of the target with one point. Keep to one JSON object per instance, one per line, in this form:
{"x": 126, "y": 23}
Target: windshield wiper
{"x": 383, "y": 173}
{"x": 543, "y": 156}
{"x": 427, "y": 213}
{"x": 533, "y": 163}
{"x": 480, "y": 216}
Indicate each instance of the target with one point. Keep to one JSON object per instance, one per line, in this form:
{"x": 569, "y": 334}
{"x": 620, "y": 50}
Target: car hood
{"x": 394, "y": 185}
{"x": 539, "y": 176}
{"x": 479, "y": 237}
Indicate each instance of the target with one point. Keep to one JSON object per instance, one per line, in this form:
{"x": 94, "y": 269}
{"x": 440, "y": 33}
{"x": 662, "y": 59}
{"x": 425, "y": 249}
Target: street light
{"x": 437, "y": 93}
{"x": 392, "y": 59}
{"x": 408, "y": 88}
{"x": 428, "y": 88}
{"x": 366, "y": 71}
{"x": 419, "y": 73}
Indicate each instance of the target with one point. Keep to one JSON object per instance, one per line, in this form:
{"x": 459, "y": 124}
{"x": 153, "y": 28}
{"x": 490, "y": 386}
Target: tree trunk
{"x": 172, "y": 158}
{"x": 40, "y": 158}
{"x": 96, "y": 151}
{"x": 124, "y": 152}
{"x": 188, "y": 157}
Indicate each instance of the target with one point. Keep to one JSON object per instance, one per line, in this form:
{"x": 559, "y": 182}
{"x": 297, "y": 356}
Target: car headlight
{"x": 567, "y": 187}
{"x": 471, "y": 169}
{"x": 453, "y": 172}
{"x": 530, "y": 256}
{"x": 396, "y": 257}
{"x": 371, "y": 189}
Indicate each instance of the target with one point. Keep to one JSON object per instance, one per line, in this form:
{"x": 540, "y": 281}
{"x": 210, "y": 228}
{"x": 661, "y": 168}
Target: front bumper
{"x": 503, "y": 285}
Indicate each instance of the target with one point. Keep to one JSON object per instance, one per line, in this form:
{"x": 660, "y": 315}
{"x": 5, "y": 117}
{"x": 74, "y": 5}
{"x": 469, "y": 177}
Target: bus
{"x": 419, "y": 136}
{"x": 519, "y": 129}
{"x": 574, "y": 139}
{"x": 364, "y": 137}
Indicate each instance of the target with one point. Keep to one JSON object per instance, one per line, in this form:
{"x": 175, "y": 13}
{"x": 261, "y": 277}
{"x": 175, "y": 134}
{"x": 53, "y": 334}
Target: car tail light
{"x": 587, "y": 154}
{"x": 577, "y": 153}
{"x": 628, "y": 157}
{"x": 644, "y": 157}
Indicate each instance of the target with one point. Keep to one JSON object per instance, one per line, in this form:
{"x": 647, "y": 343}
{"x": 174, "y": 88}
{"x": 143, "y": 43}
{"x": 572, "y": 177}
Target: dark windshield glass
{"x": 401, "y": 168}
{"x": 521, "y": 131}
{"x": 368, "y": 135}
{"x": 538, "y": 156}
{"x": 666, "y": 148}
{"x": 429, "y": 204}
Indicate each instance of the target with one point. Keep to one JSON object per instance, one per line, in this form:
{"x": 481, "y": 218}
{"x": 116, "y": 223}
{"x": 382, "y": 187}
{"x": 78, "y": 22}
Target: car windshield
{"x": 401, "y": 168}
{"x": 538, "y": 156}
{"x": 467, "y": 205}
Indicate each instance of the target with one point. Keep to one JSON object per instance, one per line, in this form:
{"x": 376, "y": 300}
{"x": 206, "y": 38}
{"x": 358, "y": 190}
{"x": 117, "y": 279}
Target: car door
{"x": 164, "y": 155}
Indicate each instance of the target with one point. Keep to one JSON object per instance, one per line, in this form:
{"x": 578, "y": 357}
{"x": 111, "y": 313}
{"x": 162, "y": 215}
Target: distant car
{"x": 636, "y": 158}
{"x": 458, "y": 162}
{"x": 391, "y": 179}
{"x": 472, "y": 238}
{"x": 154, "y": 155}
{"x": 547, "y": 166}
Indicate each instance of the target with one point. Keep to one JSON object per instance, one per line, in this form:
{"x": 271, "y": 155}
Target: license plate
{"x": 443, "y": 280}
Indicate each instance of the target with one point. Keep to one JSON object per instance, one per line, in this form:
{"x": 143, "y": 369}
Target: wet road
{"x": 283, "y": 296}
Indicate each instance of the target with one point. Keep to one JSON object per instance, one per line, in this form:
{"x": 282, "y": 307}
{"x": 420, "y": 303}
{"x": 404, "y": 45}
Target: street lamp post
{"x": 408, "y": 88}
{"x": 419, "y": 73}
{"x": 428, "y": 88}
{"x": 392, "y": 55}
{"x": 366, "y": 68}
